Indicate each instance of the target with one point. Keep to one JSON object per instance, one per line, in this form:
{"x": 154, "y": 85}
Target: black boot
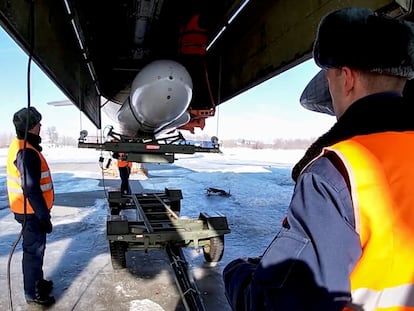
{"x": 41, "y": 300}
{"x": 43, "y": 289}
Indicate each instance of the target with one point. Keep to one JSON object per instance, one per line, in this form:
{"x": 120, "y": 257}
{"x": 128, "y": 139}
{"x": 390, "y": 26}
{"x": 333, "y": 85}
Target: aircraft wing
{"x": 95, "y": 48}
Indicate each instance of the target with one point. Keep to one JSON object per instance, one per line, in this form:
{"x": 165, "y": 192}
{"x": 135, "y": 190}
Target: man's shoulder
{"x": 328, "y": 168}
{"x": 28, "y": 154}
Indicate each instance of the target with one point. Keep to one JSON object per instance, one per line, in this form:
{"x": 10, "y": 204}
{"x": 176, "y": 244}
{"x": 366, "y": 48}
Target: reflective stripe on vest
{"x": 14, "y": 180}
{"x": 386, "y": 298}
{"x": 381, "y": 175}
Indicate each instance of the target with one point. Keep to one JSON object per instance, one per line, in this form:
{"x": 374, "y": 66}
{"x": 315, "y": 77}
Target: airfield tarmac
{"x": 83, "y": 274}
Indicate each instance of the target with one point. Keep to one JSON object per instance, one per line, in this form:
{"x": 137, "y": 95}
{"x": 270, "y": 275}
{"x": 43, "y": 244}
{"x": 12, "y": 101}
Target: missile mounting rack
{"x": 151, "y": 150}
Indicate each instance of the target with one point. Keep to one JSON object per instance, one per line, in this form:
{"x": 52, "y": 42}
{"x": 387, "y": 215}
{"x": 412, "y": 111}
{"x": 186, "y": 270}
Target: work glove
{"x": 46, "y": 225}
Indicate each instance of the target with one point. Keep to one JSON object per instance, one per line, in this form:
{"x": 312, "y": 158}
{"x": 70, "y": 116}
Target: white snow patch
{"x": 144, "y": 305}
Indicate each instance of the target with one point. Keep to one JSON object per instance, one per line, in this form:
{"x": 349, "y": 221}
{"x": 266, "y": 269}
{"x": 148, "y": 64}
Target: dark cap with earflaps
{"x": 360, "y": 39}
{"x": 20, "y": 118}
{"x": 316, "y": 96}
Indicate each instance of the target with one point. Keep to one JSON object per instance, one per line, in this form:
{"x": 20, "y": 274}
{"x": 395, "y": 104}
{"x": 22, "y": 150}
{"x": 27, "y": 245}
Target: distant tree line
{"x": 50, "y": 136}
{"x": 277, "y": 143}
{"x": 6, "y": 138}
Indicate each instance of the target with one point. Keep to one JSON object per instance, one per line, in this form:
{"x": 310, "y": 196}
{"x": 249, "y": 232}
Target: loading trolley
{"x": 145, "y": 221}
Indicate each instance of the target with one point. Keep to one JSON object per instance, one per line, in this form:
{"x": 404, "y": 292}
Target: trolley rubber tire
{"x": 118, "y": 254}
{"x": 215, "y": 253}
{"x": 176, "y": 207}
{"x": 115, "y": 211}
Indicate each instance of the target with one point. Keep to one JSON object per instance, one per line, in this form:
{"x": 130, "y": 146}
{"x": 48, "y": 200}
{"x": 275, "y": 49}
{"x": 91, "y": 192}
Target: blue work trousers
{"x": 34, "y": 245}
{"x": 124, "y": 173}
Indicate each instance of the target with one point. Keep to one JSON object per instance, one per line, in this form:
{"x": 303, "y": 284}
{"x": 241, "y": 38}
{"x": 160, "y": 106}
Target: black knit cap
{"x": 20, "y": 118}
{"x": 360, "y": 39}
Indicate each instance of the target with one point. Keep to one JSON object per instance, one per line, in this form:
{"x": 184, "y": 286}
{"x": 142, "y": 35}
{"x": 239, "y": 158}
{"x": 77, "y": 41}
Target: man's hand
{"x": 46, "y": 225}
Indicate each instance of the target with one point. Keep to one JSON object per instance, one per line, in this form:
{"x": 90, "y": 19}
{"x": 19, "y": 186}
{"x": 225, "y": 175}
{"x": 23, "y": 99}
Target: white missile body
{"x": 158, "y": 102}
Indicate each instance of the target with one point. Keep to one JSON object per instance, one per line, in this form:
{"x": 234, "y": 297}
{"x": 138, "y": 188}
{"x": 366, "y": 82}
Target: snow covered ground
{"x": 77, "y": 257}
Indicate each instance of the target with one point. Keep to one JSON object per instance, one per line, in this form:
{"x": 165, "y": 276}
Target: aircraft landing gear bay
{"x": 145, "y": 221}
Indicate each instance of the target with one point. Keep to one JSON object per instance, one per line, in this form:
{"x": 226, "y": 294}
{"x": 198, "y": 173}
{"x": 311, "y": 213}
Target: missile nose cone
{"x": 160, "y": 94}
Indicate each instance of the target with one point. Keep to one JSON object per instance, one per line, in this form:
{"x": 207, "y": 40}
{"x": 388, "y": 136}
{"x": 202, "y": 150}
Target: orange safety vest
{"x": 124, "y": 163}
{"x": 15, "y": 181}
{"x": 193, "y": 39}
{"x": 380, "y": 169}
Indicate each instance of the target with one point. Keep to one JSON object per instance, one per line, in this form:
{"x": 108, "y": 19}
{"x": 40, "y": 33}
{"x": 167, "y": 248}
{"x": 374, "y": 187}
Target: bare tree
{"x": 52, "y": 135}
{"x": 5, "y": 139}
{"x": 68, "y": 141}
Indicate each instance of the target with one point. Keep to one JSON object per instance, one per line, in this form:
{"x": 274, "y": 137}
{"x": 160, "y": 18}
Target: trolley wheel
{"x": 113, "y": 204}
{"x": 176, "y": 206}
{"x": 118, "y": 256}
{"x": 214, "y": 251}
{"x": 115, "y": 211}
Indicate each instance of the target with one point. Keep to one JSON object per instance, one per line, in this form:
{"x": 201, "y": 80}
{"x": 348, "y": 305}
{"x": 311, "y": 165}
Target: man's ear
{"x": 349, "y": 79}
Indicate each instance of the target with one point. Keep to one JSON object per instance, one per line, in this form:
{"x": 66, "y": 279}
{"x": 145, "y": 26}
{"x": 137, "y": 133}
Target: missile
{"x": 158, "y": 102}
